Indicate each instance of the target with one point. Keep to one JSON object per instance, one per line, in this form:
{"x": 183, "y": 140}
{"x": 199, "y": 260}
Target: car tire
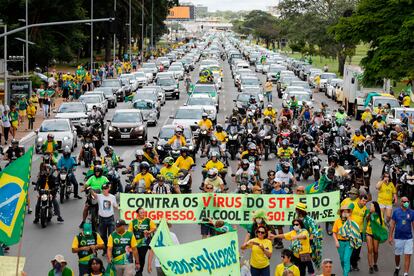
{"x": 177, "y": 97}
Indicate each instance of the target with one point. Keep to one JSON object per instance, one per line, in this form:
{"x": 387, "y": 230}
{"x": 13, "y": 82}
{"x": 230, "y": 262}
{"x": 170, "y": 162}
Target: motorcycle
{"x": 312, "y": 166}
{"x": 203, "y": 139}
{"x": 379, "y": 139}
{"x": 266, "y": 140}
{"x": 184, "y": 180}
{"x": 139, "y": 188}
{"x": 92, "y": 208}
{"x": 46, "y": 207}
{"x": 233, "y": 143}
{"x": 88, "y": 153}
{"x": 115, "y": 179}
{"x": 65, "y": 187}
{"x": 324, "y": 142}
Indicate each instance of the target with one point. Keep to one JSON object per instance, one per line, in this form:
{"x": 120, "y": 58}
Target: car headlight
{"x": 159, "y": 148}
{"x": 111, "y": 128}
{"x": 190, "y": 147}
{"x": 140, "y": 128}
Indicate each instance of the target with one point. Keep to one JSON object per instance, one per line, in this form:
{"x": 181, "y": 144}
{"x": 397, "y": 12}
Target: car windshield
{"x": 110, "y": 83}
{"x": 166, "y": 81}
{"x": 250, "y": 81}
{"x": 139, "y": 75}
{"x": 200, "y": 101}
{"x": 175, "y": 68}
{"x": 145, "y": 96}
{"x": 149, "y": 65}
{"x": 305, "y": 85}
{"x": 168, "y": 132}
{"x": 143, "y": 105}
{"x": 188, "y": 114}
{"x": 245, "y": 97}
{"x": 214, "y": 68}
{"x": 126, "y": 117}
{"x": 384, "y": 101}
{"x": 203, "y": 89}
{"x": 328, "y": 76}
{"x": 54, "y": 126}
{"x": 71, "y": 108}
{"x": 90, "y": 99}
{"x": 301, "y": 97}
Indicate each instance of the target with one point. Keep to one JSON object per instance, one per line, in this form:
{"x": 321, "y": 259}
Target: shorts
{"x": 403, "y": 247}
{"x": 22, "y": 112}
{"x": 207, "y": 230}
{"x": 385, "y": 206}
{"x": 15, "y": 124}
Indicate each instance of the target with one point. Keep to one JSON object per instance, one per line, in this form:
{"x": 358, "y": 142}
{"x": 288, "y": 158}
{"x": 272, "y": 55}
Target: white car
{"x": 301, "y": 96}
{"x": 141, "y": 78}
{"x": 128, "y": 80}
{"x": 249, "y": 82}
{"x": 76, "y": 112}
{"x": 178, "y": 71}
{"x": 91, "y": 100}
{"x": 331, "y": 90}
{"x": 204, "y": 101}
{"x": 325, "y": 79}
{"x": 64, "y": 133}
{"x": 188, "y": 116}
{"x": 148, "y": 73}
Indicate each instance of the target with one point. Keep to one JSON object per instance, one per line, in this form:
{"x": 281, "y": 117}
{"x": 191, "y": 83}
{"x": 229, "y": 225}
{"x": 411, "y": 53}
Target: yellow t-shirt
{"x": 173, "y": 140}
{"x": 406, "y": 101}
{"x": 258, "y": 259}
{"x": 221, "y": 136}
{"x": 170, "y": 173}
{"x": 356, "y": 139}
{"x": 271, "y": 113}
{"x": 207, "y": 124}
{"x": 133, "y": 241}
{"x": 385, "y": 194}
{"x": 348, "y": 201}
{"x": 335, "y": 229}
{"x": 378, "y": 125}
{"x": 280, "y": 268}
{"x": 147, "y": 178}
{"x": 218, "y": 165}
{"x": 358, "y": 215}
{"x": 366, "y": 116}
{"x": 31, "y": 111}
{"x": 305, "y": 242}
{"x": 285, "y": 153}
{"x": 185, "y": 164}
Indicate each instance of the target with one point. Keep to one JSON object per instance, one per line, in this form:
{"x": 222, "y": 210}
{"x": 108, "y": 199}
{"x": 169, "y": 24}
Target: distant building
{"x": 201, "y": 11}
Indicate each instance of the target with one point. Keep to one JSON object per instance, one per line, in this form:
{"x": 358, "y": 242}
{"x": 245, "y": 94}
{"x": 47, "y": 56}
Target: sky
{"x": 234, "y": 5}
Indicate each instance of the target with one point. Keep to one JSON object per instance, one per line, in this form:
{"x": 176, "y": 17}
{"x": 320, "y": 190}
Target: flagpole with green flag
{"x": 14, "y": 183}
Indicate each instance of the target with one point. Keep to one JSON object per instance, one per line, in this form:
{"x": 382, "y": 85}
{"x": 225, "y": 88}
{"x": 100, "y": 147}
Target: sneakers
{"x": 36, "y": 221}
{"x": 396, "y": 271}
{"x": 60, "y": 219}
{"x": 375, "y": 268}
{"x": 29, "y": 211}
{"x": 355, "y": 268}
{"x": 371, "y": 270}
{"x": 78, "y": 197}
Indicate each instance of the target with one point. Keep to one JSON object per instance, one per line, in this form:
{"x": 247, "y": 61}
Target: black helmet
{"x": 184, "y": 150}
{"x": 219, "y": 127}
{"x": 285, "y": 167}
{"x": 233, "y": 119}
{"x": 108, "y": 149}
{"x": 393, "y": 134}
{"x": 333, "y": 158}
{"x": 360, "y": 146}
{"x": 97, "y": 161}
{"x": 50, "y": 135}
{"x": 144, "y": 165}
{"x": 14, "y": 142}
{"x": 379, "y": 117}
{"x": 341, "y": 109}
{"x": 98, "y": 169}
{"x": 357, "y": 131}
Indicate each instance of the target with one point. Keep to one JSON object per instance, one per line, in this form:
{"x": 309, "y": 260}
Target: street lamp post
{"x": 142, "y": 32}
{"x": 91, "y": 36}
{"x": 6, "y": 94}
{"x": 114, "y": 32}
{"x": 27, "y": 38}
{"x": 130, "y": 32}
{"x": 152, "y": 24}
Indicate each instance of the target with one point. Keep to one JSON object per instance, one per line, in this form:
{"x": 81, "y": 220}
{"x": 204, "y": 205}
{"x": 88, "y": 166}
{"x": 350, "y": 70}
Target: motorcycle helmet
{"x": 48, "y": 169}
{"x": 333, "y": 158}
{"x": 252, "y": 146}
{"x": 345, "y": 149}
{"x": 379, "y": 118}
{"x": 267, "y": 119}
{"x": 66, "y": 152}
{"x": 14, "y": 142}
{"x": 235, "y": 110}
{"x": 233, "y": 120}
{"x": 184, "y": 150}
{"x": 144, "y": 166}
{"x": 393, "y": 135}
{"x": 285, "y": 167}
{"x": 168, "y": 160}
{"x": 212, "y": 173}
{"x": 50, "y": 136}
{"x": 139, "y": 152}
{"x": 178, "y": 129}
{"x": 204, "y": 115}
{"x": 357, "y": 132}
{"x": 283, "y": 119}
{"x": 109, "y": 150}
{"x": 213, "y": 139}
{"x": 285, "y": 143}
{"x": 97, "y": 161}
{"x": 245, "y": 164}
{"x": 97, "y": 170}
{"x": 341, "y": 109}
{"x": 148, "y": 146}
{"x": 219, "y": 127}
{"x": 269, "y": 105}
{"x": 360, "y": 146}
{"x": 250, "y": 114}
{"x": 330, "y": 173}
{"x": 215, "y": 154}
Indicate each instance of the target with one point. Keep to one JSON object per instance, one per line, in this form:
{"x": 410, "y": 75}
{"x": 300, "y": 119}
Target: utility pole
{"x": 142, "y": 31}
{"x": 91, "y": 36}
{"x": 6, "y": 88}
{"x": 152, "y": 24}
{"x": 27, "y": 38}
{"x": 130, "y": 32}
{"x": 114, "y": 33}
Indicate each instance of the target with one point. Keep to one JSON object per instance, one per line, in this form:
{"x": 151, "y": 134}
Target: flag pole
{"x": 19, "y": 250}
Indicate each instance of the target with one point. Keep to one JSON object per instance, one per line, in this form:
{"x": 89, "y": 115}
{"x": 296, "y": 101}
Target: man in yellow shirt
{"x": 270, "y": 112}
{"x": 144, "y": 178}
{"x": 378, "y": 124}
{"x": 205, "y": 122}
{"x": 184, "y": 161}
{"x": 406, "y": 102}
{"x": 357, "y": 137}
{"x": 170, "y": 172}
{"x": 220, "y": 134}
{"x": 367, "y": 115}
{"x": 286, "y": 264}
{"x": 178, "y": 139}
{"x": 358, "y": 214}
{"x": 353, "y": 197}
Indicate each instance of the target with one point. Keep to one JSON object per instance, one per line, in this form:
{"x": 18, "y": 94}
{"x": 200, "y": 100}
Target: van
{"x": 395, "y": 116}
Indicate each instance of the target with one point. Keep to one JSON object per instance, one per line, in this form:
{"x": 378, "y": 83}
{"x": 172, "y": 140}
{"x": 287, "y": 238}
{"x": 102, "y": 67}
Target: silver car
{"x": 148, "y": 109}
{"x": 76, "y": 112}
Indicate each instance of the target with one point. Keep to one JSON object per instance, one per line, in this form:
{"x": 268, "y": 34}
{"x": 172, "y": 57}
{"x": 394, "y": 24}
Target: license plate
{"x": 125, "y": 136}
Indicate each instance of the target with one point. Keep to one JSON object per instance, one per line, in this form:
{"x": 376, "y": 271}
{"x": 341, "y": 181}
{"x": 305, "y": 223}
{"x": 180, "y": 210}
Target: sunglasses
{"x": 296, "y": 224}
{"x": 261, "y": 232}
{"x": 327, "y": 261}
{"x": 209, "y": 188}
{"x": 404, "y": 201}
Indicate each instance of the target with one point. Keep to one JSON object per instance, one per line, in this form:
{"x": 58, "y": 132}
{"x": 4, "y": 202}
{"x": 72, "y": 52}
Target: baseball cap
{"x": 59, "y": 258}
{"x": 87, "y": 229}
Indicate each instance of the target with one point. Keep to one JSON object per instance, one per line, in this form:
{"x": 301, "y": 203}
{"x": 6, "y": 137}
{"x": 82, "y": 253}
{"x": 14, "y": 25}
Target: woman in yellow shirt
{"x": 301, "y": 246}
{"x": 31, "y": 114}
{"x": 372, "y": 243}
{"x": 261, "y": 252}
{"x": 286, "y": 264}
{"x": 387, "y": 193}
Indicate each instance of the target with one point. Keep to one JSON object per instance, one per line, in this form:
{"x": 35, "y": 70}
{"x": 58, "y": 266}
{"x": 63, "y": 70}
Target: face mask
{"x": 296, "y": 228}
{"x": 57, "y": 266}
{"x": 406, "y": 205}
{"x": 345, "y": 215}
{"x": 259, "y": 220}
{"x": 353, "y": 197}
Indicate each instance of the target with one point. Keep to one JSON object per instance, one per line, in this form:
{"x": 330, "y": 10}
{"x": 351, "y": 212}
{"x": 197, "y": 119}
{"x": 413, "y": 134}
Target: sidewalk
{"x": 24, "y": 133}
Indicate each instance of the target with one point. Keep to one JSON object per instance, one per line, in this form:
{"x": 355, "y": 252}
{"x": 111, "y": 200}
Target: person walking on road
{"x": 31, "y": 114}
{"x": 122, "y": 250}
{"x": 143, "y": 228}
{"x": 401, "y": 235}
{"x": 5, "y": 120}
{"x": 22, "y": 105}
{"x": 86, "y": 244}
{"x": 60, "y": 267}
{"x": 14, "y": 120}
{"x": 268, "y": 90}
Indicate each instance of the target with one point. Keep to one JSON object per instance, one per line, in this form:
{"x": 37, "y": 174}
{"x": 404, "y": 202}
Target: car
{"x": 92, "y": 100}
{"x": 206, "y": 102}
{"x": 249, "y": 82}
{"x": 109, "y": 95}
{"x": 164, "y": 61}
{"x": 188, "y": 116}
{"x": 302, "y": 84}
{"x": 166, "y": 132}
{"x": 116, "y": 86}
{"x": 127, "y": 125}
{"x": 331, "y": 89}
{"x": 178, "y": 71}
{"x": 64, "y": 132}
{"x": 128, "y": 80}
{"x": 206, "y": 88}
{"x": 325, "y": 78}
{"x": 158, "y": 90}
{"x": 257, "y": 91}
{"x": 76, "y": 112}
{"x": 147, "y": 95}
{"x": 101, "y": 95}
{"x": 170, "y": 87}
{"x": 148, "y": 109}
{"x": 242, "y": 101}
{"x": 150, "y": 66}
{"x": 148, "y": 74}
{"x": 258, "y": 68}
{"x": 301, "y": 96}
{"x": 274, "y": 72}
{"x": 313, "y": 72}
{"x": 141, "y": 78}
{"x": 207, "y": 63}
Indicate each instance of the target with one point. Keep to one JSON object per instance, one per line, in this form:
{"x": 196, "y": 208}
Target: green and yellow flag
{"x": 14, "y": 183}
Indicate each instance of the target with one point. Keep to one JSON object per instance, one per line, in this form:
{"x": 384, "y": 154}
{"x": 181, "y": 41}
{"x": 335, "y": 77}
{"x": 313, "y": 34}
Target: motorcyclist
{"x": 88, "y": 138}
{"x": 170, "y": 173}
{"x": 160, "y": 187}
{"x": 150, "y": 154}
{"x": 360, "y": 154}
{"x": 235, "y": 114}
{"x": 233, "y": 123}
{"x": 135, "y": 164}
{"x": 367, "y": 115}
{"x": 286, "y": 112}
{"x": 305, "y": 116}
{"x": 213, "y": 146}
{"x": 215, "y": 180}
{"x": 144, "y": 178}
{"x": 285, "y": 152}
{"x": 347, "y": 159}
{"x": 340, "y": 116}
{"x": 185, "y": 162}
{"x": 326, "y": 126}
{"x": 214, "y": 162}
{"x": 317, "y": 118}
{"x": 95, "y": 114}
{"x": 285, "y": 176}
{"x": 253, "y": 157}
{"x": 178, "y": 140}
{"x": 270, "y": 112}
{"x": 246, "y": 170}
{"x": 111, "y": 159}
{"x": 205, "y": 122}
{"x": 69, "y": 164}
{"x": 249, "y": 120}
{"x": 367, "y": 129}
{"x": 47, "y": 181}
{"x": 284, "y": 124}
{"x": 14, "y": 151}
{"x": 293, "y": 104}
{"x": 50, "y": 146}
{"x": 267, "y": 125}
{"x": 221, "y": 136}
{"x": 379, "y": 123}
{"x": 268, "y": 183}
{"x": 357, "y": 137}
{"x": 333, "y": 162}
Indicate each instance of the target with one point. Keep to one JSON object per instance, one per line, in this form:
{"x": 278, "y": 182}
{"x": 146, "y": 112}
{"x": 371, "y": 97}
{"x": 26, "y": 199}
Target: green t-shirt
{"x": 14, "y": 116}
{"x": 96, "y": 183}
{"x": 119, "y": 250}
{"x": 139, "y": 229}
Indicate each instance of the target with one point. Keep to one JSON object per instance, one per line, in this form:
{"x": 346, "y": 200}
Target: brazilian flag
{"x": 14, "y": 183}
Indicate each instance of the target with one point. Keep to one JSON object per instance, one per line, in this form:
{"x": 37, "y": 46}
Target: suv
{"x": 127, "y": 125}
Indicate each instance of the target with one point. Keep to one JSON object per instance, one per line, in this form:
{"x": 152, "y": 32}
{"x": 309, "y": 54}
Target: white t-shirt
{"x": 283, "y": 177}
{"x": 106, "y": 205}
{"x": 174, "y": 240}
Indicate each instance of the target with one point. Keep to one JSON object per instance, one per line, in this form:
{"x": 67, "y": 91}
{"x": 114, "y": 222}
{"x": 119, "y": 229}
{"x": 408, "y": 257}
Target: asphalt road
{"x": 39, "y": 245}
